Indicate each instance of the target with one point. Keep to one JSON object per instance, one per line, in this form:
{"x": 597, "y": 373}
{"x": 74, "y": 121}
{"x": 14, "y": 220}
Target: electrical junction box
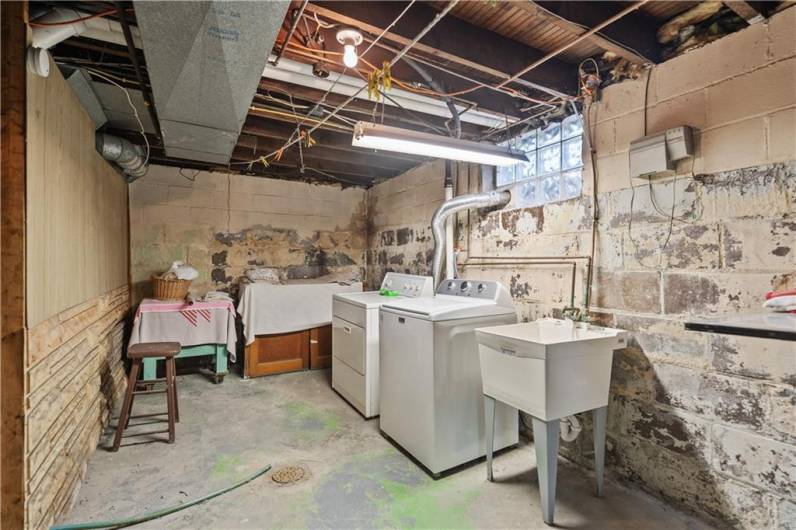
{"x": 656, "y": 154}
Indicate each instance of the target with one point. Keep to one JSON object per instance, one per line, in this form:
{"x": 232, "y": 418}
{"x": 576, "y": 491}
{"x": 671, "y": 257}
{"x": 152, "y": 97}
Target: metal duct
{"x": 447, "y": 208}
{"x": 128, "y": 156}
{"x": 204, "y": 75}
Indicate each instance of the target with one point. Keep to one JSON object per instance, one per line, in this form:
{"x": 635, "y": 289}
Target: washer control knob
{"x": 481, "y": 287}
{"x": 465, "y": 286}
{"x": 450, "y": 285}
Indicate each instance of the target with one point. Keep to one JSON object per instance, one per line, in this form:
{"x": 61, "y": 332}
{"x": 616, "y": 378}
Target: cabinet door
{"x": 278, "y": 353}
{"x": 321, "y": 347}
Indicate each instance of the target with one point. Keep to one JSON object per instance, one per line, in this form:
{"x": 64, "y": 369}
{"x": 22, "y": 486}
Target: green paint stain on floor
{"x": 226, "y": 466}
{"x": 435, "y": 504}
{"x": 309, "y": 421}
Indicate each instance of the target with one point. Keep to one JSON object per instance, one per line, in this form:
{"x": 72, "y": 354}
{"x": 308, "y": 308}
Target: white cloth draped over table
{"x": 298, "y": 305}
{"x": 188, "y": 324}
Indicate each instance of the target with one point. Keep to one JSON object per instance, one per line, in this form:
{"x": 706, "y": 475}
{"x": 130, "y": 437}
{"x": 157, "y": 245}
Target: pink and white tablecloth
{"x": 188, "y": 324}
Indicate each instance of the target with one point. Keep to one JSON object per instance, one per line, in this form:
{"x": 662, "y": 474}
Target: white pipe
{"x": 97, "y": 28}
{"x": 298, "y": 73}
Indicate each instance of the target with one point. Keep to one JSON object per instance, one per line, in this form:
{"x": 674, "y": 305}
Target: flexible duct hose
{"x": 463, "y": 202}
{"x": 125, "y": 154}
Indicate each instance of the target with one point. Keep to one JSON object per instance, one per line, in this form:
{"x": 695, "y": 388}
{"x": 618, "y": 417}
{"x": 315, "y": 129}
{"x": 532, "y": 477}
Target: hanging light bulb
{"x": 350, "y": 39}
{"x": 350, "y": 58}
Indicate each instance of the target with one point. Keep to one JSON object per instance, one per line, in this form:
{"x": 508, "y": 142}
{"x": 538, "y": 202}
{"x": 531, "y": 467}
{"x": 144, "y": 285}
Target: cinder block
{"x": 782, "y": 134}
{"x": 752, "y": 357}
{"x": 734, "y": 146}
{"x": 752, "y": 94}
{"x": 786, "y": 514}
{"x": 729, "y": 56}
{"x": 767, "y": 464}
{"x": 782, "y": 35}
{"x": 627, "y": 291}
{"x": 142, "y": 192}
{"x": 613, "y": 172}
{"x": 681, "y": 433}
{"x": 690, "y": 246}
{"x": 686, "y": 293}
{"x": 665, "y": 340}
{"x": 623, "y": 98}
{"x": 759, "y": 245}
{"x": 745, "y": 193}
{"x": 687, "y": 109}
{"x": 628, "y": 128}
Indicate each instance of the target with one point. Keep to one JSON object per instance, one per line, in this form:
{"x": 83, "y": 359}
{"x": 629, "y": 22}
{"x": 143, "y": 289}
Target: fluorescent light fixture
{"x": 387, "y": 138}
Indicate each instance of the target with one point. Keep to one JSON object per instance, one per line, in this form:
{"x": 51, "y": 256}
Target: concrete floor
{"x": 354, "y": 477}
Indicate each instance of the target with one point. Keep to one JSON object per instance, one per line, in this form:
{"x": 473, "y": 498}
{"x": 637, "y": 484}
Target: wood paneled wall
{"x": 77, "y": 296}
{"x": 77, "y": 241}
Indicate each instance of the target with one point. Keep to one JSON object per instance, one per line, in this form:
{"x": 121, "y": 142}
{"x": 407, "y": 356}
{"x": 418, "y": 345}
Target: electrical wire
{"x": 395, "y": 59}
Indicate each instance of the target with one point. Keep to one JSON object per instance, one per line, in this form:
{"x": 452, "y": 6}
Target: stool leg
{"x": 174, "y": 390}
{"x": 124, "y": 415}
{"x": 170, "y": 397}
{"x": 600, "y": 420}
{"x": 545, "y": 440}
{"x": 489, "y": 425}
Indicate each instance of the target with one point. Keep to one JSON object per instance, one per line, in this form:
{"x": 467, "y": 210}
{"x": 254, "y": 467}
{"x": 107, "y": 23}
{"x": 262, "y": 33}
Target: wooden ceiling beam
{"x": 745, "y": 10}
{"x": 452, "y": 41}
{"x": 291, "y": 159}
{"x": 542, "y": 15}
{"x": 281, "y": 130}
{"x": 320, "y": 152}
{"x": 635, "y": 30}
{"x": 363, "y": 110}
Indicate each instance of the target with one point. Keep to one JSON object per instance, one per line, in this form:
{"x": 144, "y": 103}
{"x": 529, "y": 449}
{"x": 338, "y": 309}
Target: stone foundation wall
{"x": 701, "y": 420}
{"x": 224, "y": 224}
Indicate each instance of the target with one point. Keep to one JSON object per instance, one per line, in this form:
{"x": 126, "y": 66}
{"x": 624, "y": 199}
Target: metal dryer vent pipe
{"x": 128, "y": 156}
{"x": 447, "y": 208}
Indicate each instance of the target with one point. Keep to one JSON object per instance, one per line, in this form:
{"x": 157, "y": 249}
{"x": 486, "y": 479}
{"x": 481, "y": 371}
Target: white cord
{"x": 132, "y": 106}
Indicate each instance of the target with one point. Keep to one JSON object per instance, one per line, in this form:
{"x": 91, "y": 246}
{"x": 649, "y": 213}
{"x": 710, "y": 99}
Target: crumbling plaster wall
{"x": 223, "y": 224}
{"x": 701, "y": 420}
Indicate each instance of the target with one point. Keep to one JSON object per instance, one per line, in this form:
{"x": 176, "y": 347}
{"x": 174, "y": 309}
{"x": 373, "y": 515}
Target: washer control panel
{"x": 469, "y": 288}
{"x": 408, "y": 284}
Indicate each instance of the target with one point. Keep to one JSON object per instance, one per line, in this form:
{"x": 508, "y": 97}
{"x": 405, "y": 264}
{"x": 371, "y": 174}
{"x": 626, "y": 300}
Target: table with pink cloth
{"x": 202, "y": 328}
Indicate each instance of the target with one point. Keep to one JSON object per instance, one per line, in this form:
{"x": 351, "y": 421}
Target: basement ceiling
{"x": 476, "y": 47}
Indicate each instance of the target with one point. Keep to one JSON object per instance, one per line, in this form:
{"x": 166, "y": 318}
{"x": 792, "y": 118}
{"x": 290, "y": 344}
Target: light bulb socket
{"x": 349, "y": 36}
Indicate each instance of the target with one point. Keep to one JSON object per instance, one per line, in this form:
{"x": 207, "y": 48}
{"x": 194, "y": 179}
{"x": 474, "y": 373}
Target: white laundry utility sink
{"x": 549, "y": 369}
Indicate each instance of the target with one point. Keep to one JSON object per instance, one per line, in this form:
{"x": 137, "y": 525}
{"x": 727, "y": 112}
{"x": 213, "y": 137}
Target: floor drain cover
{"x": 287, "y": 474}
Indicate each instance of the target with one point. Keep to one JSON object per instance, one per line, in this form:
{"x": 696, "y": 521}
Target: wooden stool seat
{"x": 153, "y": 349}
{"x": 138, "y": 352}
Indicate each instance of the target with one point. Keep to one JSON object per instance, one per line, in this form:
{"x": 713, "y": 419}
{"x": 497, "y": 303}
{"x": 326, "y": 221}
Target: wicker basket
{"x": 170, "y": 289}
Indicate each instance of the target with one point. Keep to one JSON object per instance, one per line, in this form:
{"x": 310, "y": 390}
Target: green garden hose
{"x": 118, "y": 523}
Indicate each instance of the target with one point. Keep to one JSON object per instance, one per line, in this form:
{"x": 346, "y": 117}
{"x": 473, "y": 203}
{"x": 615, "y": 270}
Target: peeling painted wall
{"x": 224, "y": 224}
{"x": 701, "y": 420}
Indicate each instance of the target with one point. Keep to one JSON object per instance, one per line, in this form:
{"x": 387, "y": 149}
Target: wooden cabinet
{"x": 321, "y": 347}
{"x": 289, "y": 352}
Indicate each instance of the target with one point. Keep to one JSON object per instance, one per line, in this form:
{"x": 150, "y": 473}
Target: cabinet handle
{"x": 347, "y": 329}
{"x": 508, "y": 351}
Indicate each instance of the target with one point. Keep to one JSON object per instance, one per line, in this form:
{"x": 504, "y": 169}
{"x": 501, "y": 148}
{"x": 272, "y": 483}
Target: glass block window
{"x": 554, "y": 170}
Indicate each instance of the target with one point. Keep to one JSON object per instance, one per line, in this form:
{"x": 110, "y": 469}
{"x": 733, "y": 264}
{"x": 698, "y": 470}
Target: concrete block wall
{"x": 701, "y": 420}
{"x": 223, "y": 224}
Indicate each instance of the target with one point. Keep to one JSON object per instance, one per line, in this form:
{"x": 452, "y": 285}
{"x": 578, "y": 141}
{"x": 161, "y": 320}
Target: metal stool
{"x": 137, "y": 353}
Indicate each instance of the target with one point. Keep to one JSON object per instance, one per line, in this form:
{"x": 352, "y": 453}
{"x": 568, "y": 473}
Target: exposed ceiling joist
{"x": 452, "y": 40}
{"x": 745, "y": 10}
{"x": 292, "y": 160}
{"x": 635, "y": 30}
{"x": 334, "y": 140}
{"x": 321, "y": 152}
{"x": 538, "y": 12}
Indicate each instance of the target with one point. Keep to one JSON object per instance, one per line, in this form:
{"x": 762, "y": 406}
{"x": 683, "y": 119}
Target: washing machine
{"x": 432, "y": 403}
{"x": 355, "y": 338}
